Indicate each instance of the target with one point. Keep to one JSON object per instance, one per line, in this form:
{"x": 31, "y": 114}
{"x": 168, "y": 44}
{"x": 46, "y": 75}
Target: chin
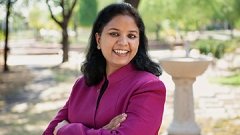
{"x": 121, "y": 64}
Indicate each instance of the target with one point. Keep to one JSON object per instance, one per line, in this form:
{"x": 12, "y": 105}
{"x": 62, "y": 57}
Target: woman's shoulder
{"x": 79, "y": 85}
{"x": 144, "y": 75}
{"x": 148, "y": 82}
{"x": 145, "y": 78}
{"x": 80, "y": 81}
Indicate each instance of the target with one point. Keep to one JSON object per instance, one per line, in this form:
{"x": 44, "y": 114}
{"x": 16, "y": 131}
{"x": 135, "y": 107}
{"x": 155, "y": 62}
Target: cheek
{"x": 107, "y": 44}
{"x": 106, "y": 51}
{"x": 135, "y": 46}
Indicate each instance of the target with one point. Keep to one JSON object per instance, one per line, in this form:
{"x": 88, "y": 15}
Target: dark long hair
{"x": 94, "y": 67}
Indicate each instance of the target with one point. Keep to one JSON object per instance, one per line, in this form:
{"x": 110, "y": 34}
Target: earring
{"x": 98, "y": 47}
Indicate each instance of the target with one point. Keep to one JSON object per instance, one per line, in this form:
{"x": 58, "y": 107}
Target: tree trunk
{"x": 65, "y": 44}
{"x": 75, "y": 24}
{"x": 6, "y": 48}
{"x": 134, "y": 3}
{"x": 231, "y": 27}
{"x": 66, "y": 15}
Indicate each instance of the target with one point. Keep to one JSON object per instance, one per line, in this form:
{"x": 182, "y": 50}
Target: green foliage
{"x": 1, "y": 35}
{"x": 39, "y": 17}
{"x": 215, "y": 47}
{"x": 87, "y": 12}
{"x": 103, "y": 3}
{"x": 188, "y": 14}
{"x": 232, "y": 45}
{"x": 227, "y": 80}
{"x": 161, "y": 11}
{"x": 176, "y": 12}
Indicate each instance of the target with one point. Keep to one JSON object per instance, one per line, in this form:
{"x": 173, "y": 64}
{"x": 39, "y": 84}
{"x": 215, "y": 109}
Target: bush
{"x": 215, "y": 47}
{"x": 232, "y": 45}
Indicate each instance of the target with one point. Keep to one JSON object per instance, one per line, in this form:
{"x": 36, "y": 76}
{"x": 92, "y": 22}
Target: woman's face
{"x": 118, "y": 42}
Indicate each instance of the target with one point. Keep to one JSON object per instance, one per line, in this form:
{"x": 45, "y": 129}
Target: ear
{"x": 97, "y": 37}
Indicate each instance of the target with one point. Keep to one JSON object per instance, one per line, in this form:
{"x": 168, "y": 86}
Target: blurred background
{"x": 42, "y": 45}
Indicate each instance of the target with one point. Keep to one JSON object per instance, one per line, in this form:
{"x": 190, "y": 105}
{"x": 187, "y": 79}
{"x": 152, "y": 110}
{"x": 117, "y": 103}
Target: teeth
{"x": 120, "y": 51}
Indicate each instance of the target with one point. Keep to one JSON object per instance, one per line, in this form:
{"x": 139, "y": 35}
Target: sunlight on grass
{"x": 25, "y": 123}
{"x": 227, "y": 80}
{"x": 221, "y": 126}
{"x": 47, "y": 106}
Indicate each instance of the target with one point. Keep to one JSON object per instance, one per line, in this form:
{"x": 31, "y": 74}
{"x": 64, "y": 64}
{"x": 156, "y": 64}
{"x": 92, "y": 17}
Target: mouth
{"x": 120, "y": 52}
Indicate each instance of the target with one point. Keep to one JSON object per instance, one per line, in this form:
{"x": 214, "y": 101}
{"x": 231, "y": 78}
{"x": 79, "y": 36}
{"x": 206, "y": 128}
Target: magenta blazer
{"x": 139, "y": 94}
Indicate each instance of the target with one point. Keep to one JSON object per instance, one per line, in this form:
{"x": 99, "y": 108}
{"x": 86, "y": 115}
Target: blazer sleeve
{"x": 144, "y": 114}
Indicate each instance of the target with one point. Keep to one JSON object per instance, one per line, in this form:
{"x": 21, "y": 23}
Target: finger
{"x": 118, "y": 125}
{"x": 56, "y": 129}
{"x": 64, "y": 122}
{"x": 110, "y": 125}
{"x": 116, "y": 122}
{"x": 120, "y": 119}
{"x": 60, "y": 125}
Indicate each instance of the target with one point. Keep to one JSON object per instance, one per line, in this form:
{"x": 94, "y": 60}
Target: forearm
{"x": 80, "y": 129}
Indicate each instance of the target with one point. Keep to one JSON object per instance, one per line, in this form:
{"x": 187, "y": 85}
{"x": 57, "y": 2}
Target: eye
{"x": 132, "y": 36}
{"x": 114, "y": 34}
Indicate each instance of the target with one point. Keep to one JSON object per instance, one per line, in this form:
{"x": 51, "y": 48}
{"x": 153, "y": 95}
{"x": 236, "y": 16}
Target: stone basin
{"x": 185, "y": 67}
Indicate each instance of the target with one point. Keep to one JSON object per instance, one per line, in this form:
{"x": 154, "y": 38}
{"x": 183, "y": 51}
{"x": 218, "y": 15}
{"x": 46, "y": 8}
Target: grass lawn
{"x": 227, "y": 80}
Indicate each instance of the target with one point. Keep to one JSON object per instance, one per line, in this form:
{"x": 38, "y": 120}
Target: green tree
{"x": 158, "y": 12}
{"x": 226, "y": 11}
{"x": 38, "y": 18}
{"x": 188, "y": 14}
{"x": 87, "y": 12}
{"x": 231, "y": 13}
{"x": 66, "y": 7}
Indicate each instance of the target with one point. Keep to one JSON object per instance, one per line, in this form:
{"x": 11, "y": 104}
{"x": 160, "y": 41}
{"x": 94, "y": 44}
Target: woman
{"x": 120, "y": 92}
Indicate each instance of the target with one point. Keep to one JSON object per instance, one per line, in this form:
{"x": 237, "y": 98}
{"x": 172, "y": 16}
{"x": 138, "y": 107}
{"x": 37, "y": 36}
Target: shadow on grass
{"x": 25, "y": 123}
{"x": 32, "y": 96}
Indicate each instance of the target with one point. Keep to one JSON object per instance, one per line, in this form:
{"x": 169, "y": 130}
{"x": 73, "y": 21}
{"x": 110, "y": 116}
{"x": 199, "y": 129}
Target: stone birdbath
{"x": 184, "y": 71}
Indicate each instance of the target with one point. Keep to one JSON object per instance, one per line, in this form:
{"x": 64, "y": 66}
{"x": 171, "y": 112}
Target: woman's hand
{"x": 59, "y": 125}
{"x": 115, "y": 122}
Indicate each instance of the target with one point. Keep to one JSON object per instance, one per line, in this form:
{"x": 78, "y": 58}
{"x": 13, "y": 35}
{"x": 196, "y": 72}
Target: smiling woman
{"x": 120, "y": 92}
{"x": 119, "y": 42}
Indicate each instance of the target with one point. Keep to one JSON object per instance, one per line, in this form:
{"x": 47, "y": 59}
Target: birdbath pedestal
{"x": 184, "y": 71}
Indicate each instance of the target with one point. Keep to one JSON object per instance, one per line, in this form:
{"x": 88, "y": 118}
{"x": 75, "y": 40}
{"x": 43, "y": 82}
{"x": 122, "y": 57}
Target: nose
{"x": 122, "y": 40}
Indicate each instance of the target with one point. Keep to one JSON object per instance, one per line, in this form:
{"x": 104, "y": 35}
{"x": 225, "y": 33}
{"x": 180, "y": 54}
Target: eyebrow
{"x": 132, "y": 31}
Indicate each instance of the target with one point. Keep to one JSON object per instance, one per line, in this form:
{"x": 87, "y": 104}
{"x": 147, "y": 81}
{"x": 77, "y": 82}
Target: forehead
{"x": 122, "y": 22}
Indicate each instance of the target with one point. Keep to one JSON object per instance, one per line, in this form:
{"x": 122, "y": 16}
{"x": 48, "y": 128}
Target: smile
{"x": 121, "y": 51}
